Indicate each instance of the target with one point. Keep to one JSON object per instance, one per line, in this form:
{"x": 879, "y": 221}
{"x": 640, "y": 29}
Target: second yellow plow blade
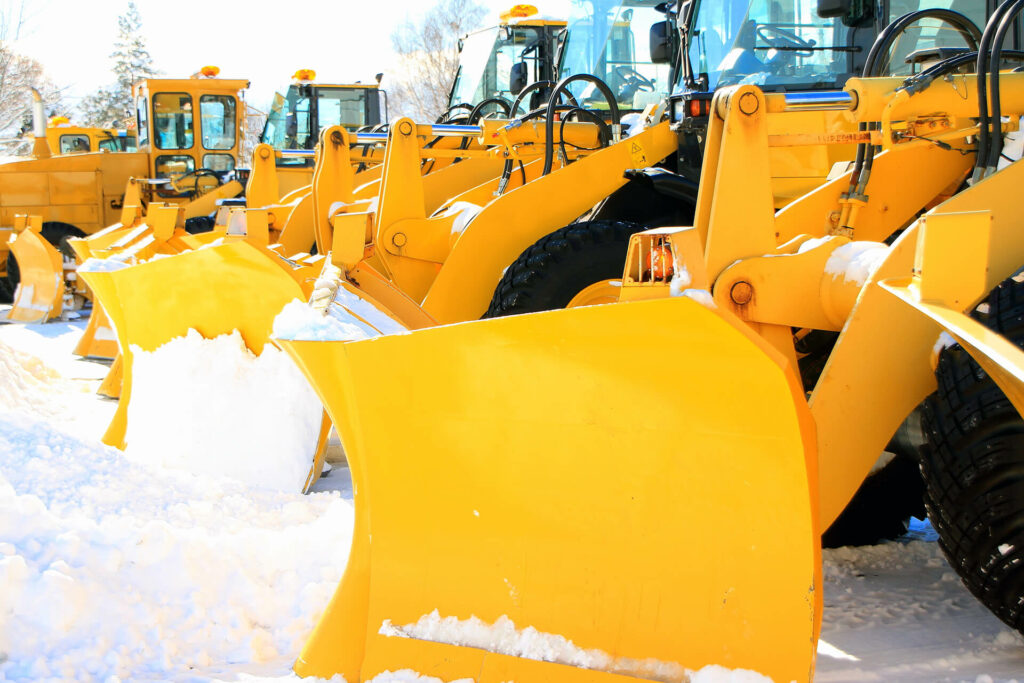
{"x": 634, "y": 478}
{"x": 40, "y": 293}
{"x": 215, "y": 290}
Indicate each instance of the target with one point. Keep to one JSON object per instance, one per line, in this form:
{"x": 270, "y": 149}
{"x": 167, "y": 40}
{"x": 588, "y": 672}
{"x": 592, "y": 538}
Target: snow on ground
{"x": 112, "y": 567}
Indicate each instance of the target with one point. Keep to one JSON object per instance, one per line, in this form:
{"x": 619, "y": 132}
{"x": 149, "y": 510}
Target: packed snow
{"x": 856, "y": 261}
{"x": 115, "y": 567}
{"x": 254, "y": 418}
{"x": 504, "y": 638}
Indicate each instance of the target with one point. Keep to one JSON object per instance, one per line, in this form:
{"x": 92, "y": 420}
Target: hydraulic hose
{"x": 549, "y": 125}
{"x": 996, "y": 125}
{"x": 873, "y": 66}
{"x": 984, "y": 121}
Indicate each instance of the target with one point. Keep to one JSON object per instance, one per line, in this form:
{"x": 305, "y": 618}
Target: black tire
{"x": 199, "y": 224}
{"x": 973, "y": 468}
{"x": 560, "y": 265}
{"x": 56, "y": 234}
{"x": 6, "y": 293}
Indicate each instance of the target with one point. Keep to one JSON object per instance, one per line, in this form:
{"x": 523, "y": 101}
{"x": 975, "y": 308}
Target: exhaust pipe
{"x": 40, "y": 146}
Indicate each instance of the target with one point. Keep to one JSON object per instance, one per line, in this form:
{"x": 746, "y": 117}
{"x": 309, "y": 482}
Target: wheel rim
{"x": 602, "y": 292}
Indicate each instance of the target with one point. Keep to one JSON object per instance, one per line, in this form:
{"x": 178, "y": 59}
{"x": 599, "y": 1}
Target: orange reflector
{"x": 519, "y": 12}
{"x": 659, "y": 263}
{"x": 695, "y": 108}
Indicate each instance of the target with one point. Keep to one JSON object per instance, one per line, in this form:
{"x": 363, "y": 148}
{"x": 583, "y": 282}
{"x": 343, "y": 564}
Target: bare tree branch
{"x": 428, "y": 57}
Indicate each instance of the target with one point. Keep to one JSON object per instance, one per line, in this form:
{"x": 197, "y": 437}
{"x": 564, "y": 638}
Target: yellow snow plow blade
{"x": 98, "y": 340}
{"x": 144, "y": 303}
{"x": 634, "y": 478}
{"x": 40, "y": 293}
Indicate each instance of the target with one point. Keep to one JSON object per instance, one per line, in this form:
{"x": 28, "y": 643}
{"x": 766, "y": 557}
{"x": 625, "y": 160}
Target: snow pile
{"x": 211, "y": 406}
{"x": 109, "y": 567}
{"x": 25, "y": 381}
{"x": 31, "y": 387}
{"x": 502, "y": 637}
{"x": 301, "y": 322}
{"x": 410, "y": 676}
{"x": 856, "y": 261}
{"x": 347, "y": 316}
{"x": 464, "y": 213}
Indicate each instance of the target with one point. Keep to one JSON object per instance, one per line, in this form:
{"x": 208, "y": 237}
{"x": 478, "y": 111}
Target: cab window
{"x": 929, "y": 34}
{"x": 69, "y": 144}
{"x": 142, "y": 115}
{"x": 172, "y": 121}
{"x": 120, "y": 143}
{"x": 217, "y": 113}
{"x": 219, "y": 162}
{"x": 174, "y": 165}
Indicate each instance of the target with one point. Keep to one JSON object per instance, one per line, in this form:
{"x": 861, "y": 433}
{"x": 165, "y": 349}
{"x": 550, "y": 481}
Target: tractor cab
{"x": 297, "y": 117}
{"x": 191, "y": 130}
{"x": 611, "y": 40}
{"x": 500, "y": 61}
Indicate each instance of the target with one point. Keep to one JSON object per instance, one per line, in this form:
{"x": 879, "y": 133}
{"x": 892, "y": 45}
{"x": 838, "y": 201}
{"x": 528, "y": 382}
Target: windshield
{"x": 487, "y": 57}
{"x": 611, "y": 40}
{"x": 775, "y": 44}
{"x": 928, "y": 34}
{"x": 287, "y": 124}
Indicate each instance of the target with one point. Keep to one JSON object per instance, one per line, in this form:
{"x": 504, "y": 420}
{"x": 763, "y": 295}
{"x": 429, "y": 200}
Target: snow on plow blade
{"x": 213, "y": 290}
{"x": 40, "y": 292}
{"x": 635, "y": 478}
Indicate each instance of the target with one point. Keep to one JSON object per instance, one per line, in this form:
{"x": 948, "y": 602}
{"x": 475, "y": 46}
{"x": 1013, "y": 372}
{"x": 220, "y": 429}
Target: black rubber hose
{"x": 604, "y": 136}
{"x": 549, "y": 124}
{"x": 478, "y": 110}
{"x": 996, "y": 141}
{"x": 872, "y": 68}
{"x": 984, "y": 122}
{"x": 506, "y": 171}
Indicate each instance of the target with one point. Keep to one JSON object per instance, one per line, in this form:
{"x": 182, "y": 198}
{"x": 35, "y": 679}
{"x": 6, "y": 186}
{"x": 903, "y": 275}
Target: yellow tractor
{"x": 309, "y": 107}
{"x": 65, "y": 138}
{"x": 187, "y": 160}
{"x": 446, "y": 210}
{"x": 638, "y": 490}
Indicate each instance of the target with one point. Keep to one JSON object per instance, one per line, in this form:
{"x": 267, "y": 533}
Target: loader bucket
{"x": 213, "y": 290}
{"x": 633, "y": 478}
{"x": 40, "y": 293}
{"x": 98, "y": 340}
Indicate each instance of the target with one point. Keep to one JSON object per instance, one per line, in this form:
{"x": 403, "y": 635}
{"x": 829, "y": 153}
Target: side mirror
{"x": 852, "y": 12}
{"x": 827, "y": 9}
{"x": 661, "y": 44}
{"x": 518, "y": 76}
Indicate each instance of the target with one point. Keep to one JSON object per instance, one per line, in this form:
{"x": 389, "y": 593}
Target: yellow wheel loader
{"x": 283, "y": 164}
{"x": 584, "y": 478}
{"x": 203, "y": 163}
{"x": 189, "y": 159}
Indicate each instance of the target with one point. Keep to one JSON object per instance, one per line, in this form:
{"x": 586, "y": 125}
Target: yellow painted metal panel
{"x": 528, "y": 467}
{"x": 25, "y": 189}
{"x": 73, "y": 187}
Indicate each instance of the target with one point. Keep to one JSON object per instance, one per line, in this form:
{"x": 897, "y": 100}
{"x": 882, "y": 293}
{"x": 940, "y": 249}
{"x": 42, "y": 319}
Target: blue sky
{"x": 344, "y": 40}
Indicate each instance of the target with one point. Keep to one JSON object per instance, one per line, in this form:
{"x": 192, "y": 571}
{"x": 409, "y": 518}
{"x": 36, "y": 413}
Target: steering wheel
{"x": 781, "y": 39}
{"x": 632, "y": 77}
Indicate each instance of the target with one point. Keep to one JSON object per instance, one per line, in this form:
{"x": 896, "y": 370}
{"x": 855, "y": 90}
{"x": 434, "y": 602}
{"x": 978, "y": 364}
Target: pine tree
{"x": 113, "y": 104}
